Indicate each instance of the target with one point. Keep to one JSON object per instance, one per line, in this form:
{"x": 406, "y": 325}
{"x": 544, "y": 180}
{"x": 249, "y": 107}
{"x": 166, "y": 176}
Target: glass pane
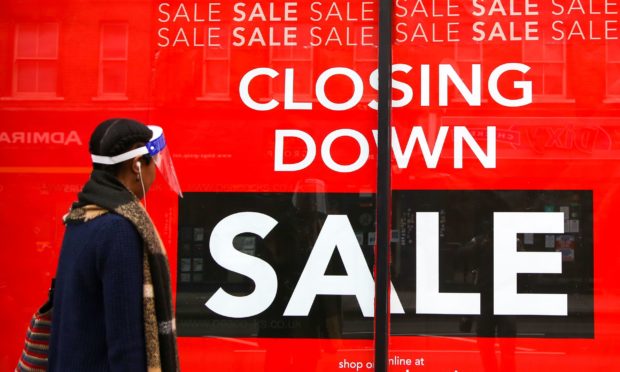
{"x": 301, "y": 78}
{"x": 613, "y": 79}
{"x": 113, "y": 77}
{"x": 48, "y": 40}
{"x": 613, "y": 51}
{"x": 505, "y": 140}
{"x": 114, "y": 41}
{"x": 26, "y": 76}
{"x": 26, "y": 40}
{"x": 214, "y": 72}
{"x": 48, "y": 76}
{"x": 217, "y": 43}
{"x": 554, "y": 52}
{"x": 277, "y": 223}
{"x": 537, "y": 76}
{"x": 554, "y": 78}
{"x": 533, "y": 51}
{"x": 498, "y": 188}
{"x": 216, "y": 52}
{"x": 282, "y": 53}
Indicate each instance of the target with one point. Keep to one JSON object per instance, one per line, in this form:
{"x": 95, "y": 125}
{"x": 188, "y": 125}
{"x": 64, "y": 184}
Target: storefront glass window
{"x": 498, "y": 215}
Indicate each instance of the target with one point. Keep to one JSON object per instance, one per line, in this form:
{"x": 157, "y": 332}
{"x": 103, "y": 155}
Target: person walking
{"x": 112, "y": 298}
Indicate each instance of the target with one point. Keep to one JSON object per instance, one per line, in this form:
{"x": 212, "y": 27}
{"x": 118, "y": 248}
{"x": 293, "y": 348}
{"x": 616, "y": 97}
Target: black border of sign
{"x": 384, "y": 188}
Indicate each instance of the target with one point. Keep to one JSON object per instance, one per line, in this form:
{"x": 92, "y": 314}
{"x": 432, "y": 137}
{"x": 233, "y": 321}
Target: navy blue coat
{"x": 98, "y": 315}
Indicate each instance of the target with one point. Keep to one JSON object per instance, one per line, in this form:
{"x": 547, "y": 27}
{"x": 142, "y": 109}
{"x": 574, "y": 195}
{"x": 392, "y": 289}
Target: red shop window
{"x": 365, "y": 54}
{"x": 466, "y": 55}
{"x": 113, "y": 56}
{"x": 612, "y": 76}
{"x": 216, "y": 66}
{"x": 299, "y": 58}
{"x": 547, "y": 60}
{"x": 35, "y": 73}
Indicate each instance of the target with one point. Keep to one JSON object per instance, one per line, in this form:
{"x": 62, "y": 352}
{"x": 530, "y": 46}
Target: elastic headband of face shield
{"x": 157, "y": 149}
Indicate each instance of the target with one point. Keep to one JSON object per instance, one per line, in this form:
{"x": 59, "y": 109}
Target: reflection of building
{"x": 216, "y": 70}
{"x": 547, "y": 60}
{"x": 558, "y": 68}
{"x": 35, "y": 58}
{"x": 612, "y": 74}
{"x": 50, "y": 56}
{"x": 72, "y": 64}
{"x": 110, "y": 56}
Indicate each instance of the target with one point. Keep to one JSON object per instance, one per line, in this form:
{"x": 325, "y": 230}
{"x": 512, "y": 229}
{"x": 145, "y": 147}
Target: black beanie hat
{"x": 116, "y": 136}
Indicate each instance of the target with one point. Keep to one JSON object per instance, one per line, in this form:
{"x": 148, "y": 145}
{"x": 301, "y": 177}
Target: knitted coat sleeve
{"x": 120, "y": 270}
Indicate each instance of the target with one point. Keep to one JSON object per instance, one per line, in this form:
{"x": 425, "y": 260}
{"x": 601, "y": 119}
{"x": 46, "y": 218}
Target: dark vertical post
{"x": 384, "y": 189}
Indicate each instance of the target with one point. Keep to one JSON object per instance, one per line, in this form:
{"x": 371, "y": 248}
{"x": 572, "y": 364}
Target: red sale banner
{"x": 504, "y": 174}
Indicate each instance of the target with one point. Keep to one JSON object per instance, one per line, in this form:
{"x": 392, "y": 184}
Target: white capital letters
{"x": 357, "y": 164}
{"x": 358, "y": 88}
{"x": 462, "y": 134}
{"x": 508, "y": 263}
{"x": 336, "y": 233}
{"x": 278, "y": 155}
{"x": 225, "y": 254}
{"x": 525, "y": 86}
{"x": 244, "y": 89}
{"x": 289, "y": 90}
{"x": 428, "y": 298}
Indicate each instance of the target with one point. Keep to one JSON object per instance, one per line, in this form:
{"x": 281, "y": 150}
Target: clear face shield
{"x": 158, "y": 151}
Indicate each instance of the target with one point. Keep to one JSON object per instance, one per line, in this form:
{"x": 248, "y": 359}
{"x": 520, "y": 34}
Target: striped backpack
{"x": 36, "y": 348}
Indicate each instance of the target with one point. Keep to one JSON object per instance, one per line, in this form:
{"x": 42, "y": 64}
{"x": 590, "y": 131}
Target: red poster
{"x": 504, "y": 174}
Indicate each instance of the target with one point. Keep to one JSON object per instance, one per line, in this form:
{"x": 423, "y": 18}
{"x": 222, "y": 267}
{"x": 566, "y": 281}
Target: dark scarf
{"x": 104, "y": 193}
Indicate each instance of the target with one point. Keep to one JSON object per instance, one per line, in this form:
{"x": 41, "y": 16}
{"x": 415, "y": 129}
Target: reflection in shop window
{"x": 216, "y": 66}
{"x": 612, "y": 76}
{"x": 36, "y": 60}
{"x": 113, "y": 58}
{"x": 365, "y": 58}
{"x": 300, "y": 59}
{"x": 466, "y": 54}
{"x": 547, "y": 60}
